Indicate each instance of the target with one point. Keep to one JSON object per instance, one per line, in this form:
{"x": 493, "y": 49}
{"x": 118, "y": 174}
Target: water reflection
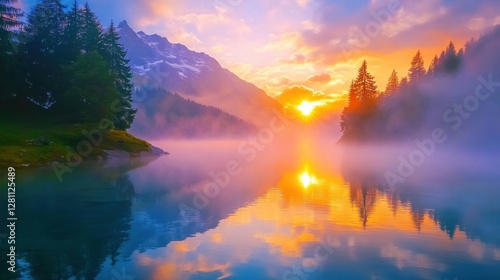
{"x": 266, "y": 224}
{"x": 69, "y": 230}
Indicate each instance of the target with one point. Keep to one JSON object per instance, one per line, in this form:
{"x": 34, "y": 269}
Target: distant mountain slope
{"x": 158, "y": 63}
{"x": 164, "y": 114}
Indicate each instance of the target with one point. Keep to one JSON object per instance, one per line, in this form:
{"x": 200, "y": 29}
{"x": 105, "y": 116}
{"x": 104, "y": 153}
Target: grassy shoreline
{"x": 31, "y": 145}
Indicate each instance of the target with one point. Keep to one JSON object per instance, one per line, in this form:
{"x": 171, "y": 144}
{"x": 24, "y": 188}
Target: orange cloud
{"x": 321, "y": 78}
{"x": 294, "y": 96}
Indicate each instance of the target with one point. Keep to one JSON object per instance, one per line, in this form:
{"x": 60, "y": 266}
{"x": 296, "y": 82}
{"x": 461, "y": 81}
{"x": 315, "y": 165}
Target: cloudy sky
{"x": 317, "y": 44}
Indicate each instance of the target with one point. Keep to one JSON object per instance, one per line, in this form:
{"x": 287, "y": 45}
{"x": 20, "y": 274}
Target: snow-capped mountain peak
{"x": 157, "y": 62}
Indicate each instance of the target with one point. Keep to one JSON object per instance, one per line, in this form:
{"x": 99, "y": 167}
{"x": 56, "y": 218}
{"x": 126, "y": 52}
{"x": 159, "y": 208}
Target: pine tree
{"x": 41, "y": 51}
{"x": 9, "y": 19}
{"x": 451, "y": 60}
{"x": 72, "y": 43}
{"x": 362, "y": 104}
{"x": 9, "y": 15}
{"x": 441, "y": 59}
{"x": 470, "y": 45}
{"x": 115, "y": 56}
{"x": 417, "y": 70}
{"x": 404, "y": 83}
{"x": 347, "y": 116}
{"x": 451, "y": 50}
{"x": 393, "y": 83}
{"x": 91, "y": 32}
{"x": 365, "y": 85}
{"x": 90, "y": 90}
{"x": 433, "y": 67}
{"x": 460, "y": 57}
{"x": 344, "y": 121}
{"x": 353, "y": 96}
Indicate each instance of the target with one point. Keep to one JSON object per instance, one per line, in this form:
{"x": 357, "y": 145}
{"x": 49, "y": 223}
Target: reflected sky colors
{"x": 275, "y": 228}
{"x": 305, "y": 214}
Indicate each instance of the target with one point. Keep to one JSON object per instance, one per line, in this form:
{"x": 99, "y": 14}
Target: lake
{"x": 234, "y": 210}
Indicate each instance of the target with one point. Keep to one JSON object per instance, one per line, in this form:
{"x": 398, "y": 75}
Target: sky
{"x": 315, "y": 46}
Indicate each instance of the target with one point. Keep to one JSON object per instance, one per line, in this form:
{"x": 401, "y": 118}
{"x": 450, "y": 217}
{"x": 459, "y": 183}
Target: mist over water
{"x": 421, "y": 204}
{"x": 422, "y": 160}
{"x": 221, "y": 208}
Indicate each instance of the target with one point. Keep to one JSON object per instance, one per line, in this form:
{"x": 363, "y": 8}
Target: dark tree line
{"x": 365, "y": 107}
{"x": 65, "y": 63}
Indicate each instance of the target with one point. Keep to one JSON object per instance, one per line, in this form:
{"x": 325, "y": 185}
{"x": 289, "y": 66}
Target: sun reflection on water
{"x": 307, "y": 179}
{"x": 310, "y": 201}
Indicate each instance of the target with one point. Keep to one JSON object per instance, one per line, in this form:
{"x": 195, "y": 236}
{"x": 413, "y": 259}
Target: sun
{"x": 307, "y": 179}
{"x": 306, "y": 107}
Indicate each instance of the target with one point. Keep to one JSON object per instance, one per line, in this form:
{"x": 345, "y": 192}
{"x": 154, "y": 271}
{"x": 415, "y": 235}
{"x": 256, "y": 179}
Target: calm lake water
{"x": 289, "y": 212}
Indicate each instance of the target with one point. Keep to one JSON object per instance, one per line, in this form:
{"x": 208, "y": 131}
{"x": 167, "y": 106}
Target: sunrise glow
{"x": 307, "y": 179}
{"x": 251, "y": 139}
{"x": 306, "y": 107}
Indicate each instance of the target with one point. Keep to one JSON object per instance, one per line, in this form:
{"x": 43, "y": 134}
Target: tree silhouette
{"x": 353, "y": 97}
{"x": 9, "y": 16}
{"x": 433, "y": 67}
{"x": 362, "y": 104}
{"x": 417, "y": 70}
{"x": 347, "y": 118}
{"x": 451, "y": 59}
{"x": 364, "y": 85}
{"x": 72, "y": 41}
{"x": 90, "y": 90}
{"x": 41, "y": 51}
{"x": 393, "y": 83}
{"x": 409, "y": 103}
{"x": 118, "y": 64}
{"x": 92, "y": 31}
{"x": 404, "y": 83}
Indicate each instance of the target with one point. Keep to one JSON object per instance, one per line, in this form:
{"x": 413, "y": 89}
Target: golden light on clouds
{"x": 264, "y": 41}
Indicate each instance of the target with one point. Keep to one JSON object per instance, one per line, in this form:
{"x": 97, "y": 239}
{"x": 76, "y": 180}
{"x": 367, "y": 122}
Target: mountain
{"x": 167, "y": 114}
{"x": 157, "y": 63}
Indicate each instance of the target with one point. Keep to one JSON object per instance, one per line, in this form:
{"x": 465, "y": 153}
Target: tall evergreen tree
{"x": 451, "y": 50}
{"x": 404, "y": 83}
{"x": 345, "y": 122}
{"x": 9, "y": 19}
{"x": 441, "y": 59}
{"x": 115, "y": 56}
{"x": 91, "y": 32}
{"x": 392, "y": 84}
{"x": 470, "y": 45}
{"x": 9, "y": 15}
{"x": 90, "y": 90}
{"x": 451, "y": 60}
{"x": 433, "y": 67}
{"x": 353, "y": 96}
{"x": 417, "y": 70}
{"x": 365, "y": 87}
{"x": 348, "y": 114}
{"x": 72, "y": 43}
{"x": 41, "y": 51}
{"x": 365, "y": 84}
{"x": 362, "y": 104}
